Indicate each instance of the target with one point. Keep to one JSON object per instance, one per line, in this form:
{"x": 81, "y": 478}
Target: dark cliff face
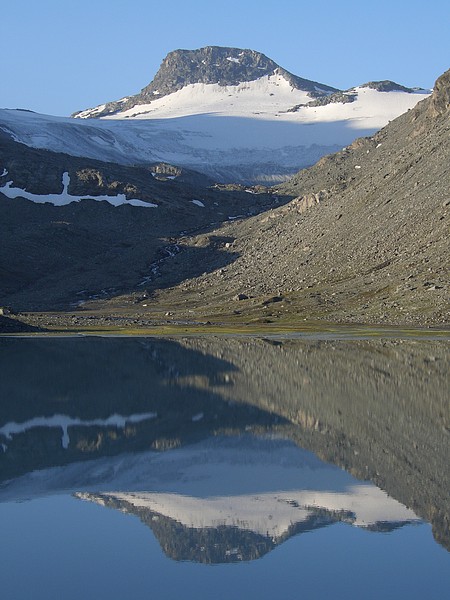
{"x": 212, "y": 64}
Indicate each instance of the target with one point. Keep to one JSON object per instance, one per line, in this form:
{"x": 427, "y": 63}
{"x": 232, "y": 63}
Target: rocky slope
{"x": 365, "y": 239}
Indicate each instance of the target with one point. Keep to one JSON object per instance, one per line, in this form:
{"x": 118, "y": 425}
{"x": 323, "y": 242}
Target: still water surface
{"x": 218, "y": 467}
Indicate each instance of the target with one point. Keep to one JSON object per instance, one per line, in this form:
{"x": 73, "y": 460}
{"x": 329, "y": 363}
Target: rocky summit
{"x": 209, "y": 65}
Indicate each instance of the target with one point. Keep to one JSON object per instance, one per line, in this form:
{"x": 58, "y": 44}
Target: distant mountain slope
{"x": 73, "y": 228}
{"x": 366, "y": 238}
{"x": 232, "y": 114}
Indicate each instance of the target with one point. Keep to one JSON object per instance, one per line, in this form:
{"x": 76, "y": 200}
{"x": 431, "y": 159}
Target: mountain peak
{"x": 222, "y": 65}
{"x": 209, "y": 65}
{"x": 212, "y": 64}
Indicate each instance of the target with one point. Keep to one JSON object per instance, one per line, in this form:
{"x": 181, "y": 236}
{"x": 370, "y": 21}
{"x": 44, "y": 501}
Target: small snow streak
{"x": 198, "y": 203}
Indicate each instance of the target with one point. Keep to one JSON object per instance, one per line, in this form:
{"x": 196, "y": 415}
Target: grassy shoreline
{"x": 40, "y": 324}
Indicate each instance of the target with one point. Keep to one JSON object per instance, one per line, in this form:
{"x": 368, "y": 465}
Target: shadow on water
{"x": 79, "y": 399}
{"x": 12, "y": 326}
{"x": 378, "y": 408}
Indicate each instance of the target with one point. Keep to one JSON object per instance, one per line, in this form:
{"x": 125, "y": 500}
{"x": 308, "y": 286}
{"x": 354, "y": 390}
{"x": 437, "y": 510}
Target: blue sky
{"x": 59, "y": 56}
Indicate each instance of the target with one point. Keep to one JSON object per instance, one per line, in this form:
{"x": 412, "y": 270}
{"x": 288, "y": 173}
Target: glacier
{"x": 247, "y": 133}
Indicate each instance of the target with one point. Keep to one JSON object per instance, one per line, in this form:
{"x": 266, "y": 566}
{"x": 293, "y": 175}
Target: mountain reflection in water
{"x": 186, "y": 434}
{"x": 239, "y": 499}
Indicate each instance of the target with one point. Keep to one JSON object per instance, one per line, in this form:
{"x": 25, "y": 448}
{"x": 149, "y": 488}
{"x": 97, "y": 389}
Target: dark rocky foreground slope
{"x": 365, "y": 239}
{"x": 212, "y": 64}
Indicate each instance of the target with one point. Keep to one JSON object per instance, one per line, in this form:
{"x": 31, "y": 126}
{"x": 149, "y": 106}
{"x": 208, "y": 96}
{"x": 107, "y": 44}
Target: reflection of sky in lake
{"x": 82, "y": 549}
{"x": 59, "y": 547}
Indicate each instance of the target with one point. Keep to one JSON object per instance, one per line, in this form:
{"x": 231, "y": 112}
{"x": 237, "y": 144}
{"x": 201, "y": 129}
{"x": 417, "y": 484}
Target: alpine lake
{"x": 295, "y": 465}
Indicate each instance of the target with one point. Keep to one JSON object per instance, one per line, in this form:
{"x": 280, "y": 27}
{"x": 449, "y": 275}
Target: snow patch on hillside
{"x": 198, "y": 203}
{"x": 64, "y": 422}
{"x": 65, "y": 198}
